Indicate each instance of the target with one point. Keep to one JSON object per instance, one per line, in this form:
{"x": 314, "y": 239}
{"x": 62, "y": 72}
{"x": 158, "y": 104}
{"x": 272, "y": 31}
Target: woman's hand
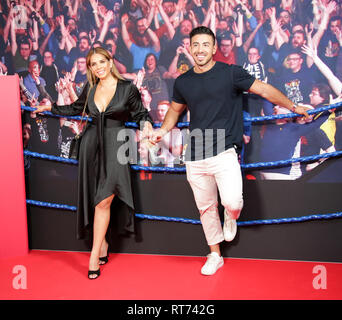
{"x": 147, "y": 131}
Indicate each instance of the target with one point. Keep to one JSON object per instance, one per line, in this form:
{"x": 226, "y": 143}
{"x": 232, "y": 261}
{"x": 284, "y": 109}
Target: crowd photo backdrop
{"x": 293, "y": 45}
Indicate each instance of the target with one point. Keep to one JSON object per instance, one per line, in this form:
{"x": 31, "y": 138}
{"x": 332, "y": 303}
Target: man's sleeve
{"x": 242, "y": 80}
{"x": 177, "y": 95}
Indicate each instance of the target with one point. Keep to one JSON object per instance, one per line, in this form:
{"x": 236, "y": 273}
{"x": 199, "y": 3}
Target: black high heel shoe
{"x": 104, "y": 260}
{"x": 94, "y": 272}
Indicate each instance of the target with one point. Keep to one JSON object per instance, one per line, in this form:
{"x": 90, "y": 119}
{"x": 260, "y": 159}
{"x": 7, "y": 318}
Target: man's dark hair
{"x": 24, "y": 40}
{"x": 324, "y": 91}
{"x": 202, "y": 30}
{"x": 85, "y": 37}
{"x": 300, "y": 32}
{"x": 224, "y": 35}
{"x": 335, "y": 18}
{"x": 297, "y": 51}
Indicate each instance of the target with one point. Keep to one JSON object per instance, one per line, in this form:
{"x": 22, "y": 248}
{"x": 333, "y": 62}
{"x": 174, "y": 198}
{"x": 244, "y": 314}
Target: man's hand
{"x": 157, "y": 136}
{"x": 310, "y": 51}
{"x": 302, "y": 109}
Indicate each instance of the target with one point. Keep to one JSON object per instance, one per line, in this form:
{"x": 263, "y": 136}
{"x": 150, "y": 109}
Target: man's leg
{"x": 229, "y": 181}
{"x": 205, "y": 194}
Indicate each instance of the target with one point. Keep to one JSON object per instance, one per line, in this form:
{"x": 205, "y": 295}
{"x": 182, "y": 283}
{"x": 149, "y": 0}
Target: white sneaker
{"x": 229, "y": 227}
{"x": 213, "y": 263}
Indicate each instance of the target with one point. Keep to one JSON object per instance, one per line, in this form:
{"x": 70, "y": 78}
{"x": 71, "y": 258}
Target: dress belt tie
{"x": 101, "y": 121}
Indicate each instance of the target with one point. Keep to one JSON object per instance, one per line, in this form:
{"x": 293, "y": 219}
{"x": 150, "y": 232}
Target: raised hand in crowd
{"x": 310, "y": 50}
{"x": 95, "y": 4}
{"x": 3, "y": 69}
{"x": 34, "y": 103}
{"x": 338, "y": 34}
{"x": 68, "y": 89}
{"x": 333, "y": 100}
{"x": 146, "y": 98}
{"x": 334, "y": 82}
{"x": 108, "y": 17}
{"x": 192, "y": 18}
{"x": 92, "y": 36}
{"x": 140, "y": 78}
{"x": 286, "y": 5}
{"x": 73, "y": 125}
{"x": 211, "y": 13}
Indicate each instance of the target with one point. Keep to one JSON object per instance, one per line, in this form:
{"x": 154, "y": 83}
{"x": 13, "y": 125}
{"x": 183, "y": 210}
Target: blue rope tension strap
{"x": 192, "y": 221}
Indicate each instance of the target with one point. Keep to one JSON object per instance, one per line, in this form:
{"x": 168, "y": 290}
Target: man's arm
{"x": 170, "y": 29}
{"x": 13, "y": 38}
{"x": 154, "y": 39}
{"x": 273, "y": 95}
{"x": 107, "y": 18}
{"x": 124, "y": 32}
{"x": 334, "y": 82}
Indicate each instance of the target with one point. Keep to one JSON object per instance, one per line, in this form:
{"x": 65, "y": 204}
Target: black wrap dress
{"x": 100, "y": 173}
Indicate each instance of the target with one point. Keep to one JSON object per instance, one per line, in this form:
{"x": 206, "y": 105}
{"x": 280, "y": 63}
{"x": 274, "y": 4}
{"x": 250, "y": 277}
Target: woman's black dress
{"x": 100, "y": 174}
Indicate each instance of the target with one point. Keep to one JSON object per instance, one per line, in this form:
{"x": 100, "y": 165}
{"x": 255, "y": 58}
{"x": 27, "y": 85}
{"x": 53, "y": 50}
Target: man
{"x": 254, "y": 66}
{"x": 169, "y": 47}
{"x": 225, "y": 52}
{"x": 329, "y": 45}
{"x": 295, "y": 81}
{"x": 213, "y": 93}
{"x": 297, "y": 40}
{"x": 154, "y": 81}
{"x": 169, "y": 149}
{"x": 112, "y": 48}
{"x": 254, "y": 105}
{"x": 183, "y": 60}
{"x": 49, "y": 72}
{"x": 23, "y": 49}
{"x": 34, "y": 83}
{"x": 150, "y": 42}
{"x": 284, "y": 20}
{"x": 21, "y": 57}
{"x": 81, "y": 74}
{"x": 323, "y": 138}
{"x": 81, "y": 50}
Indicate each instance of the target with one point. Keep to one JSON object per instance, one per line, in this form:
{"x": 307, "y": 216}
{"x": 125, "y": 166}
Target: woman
{"x": 154, "y": 81}
{"x": 110, "y": 101}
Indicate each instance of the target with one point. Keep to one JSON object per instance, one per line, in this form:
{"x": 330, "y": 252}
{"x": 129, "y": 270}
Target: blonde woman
{"x": 110, "y": 101}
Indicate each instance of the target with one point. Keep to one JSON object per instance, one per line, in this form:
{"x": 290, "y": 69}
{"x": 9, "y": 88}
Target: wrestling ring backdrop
{"x": 286, "y": 220}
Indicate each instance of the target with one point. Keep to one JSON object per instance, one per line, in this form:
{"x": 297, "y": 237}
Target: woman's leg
{"x": 101, "y": 222}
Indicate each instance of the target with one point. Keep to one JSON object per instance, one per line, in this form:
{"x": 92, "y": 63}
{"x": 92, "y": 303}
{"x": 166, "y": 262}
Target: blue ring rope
{"x": 193, "y": 221}
{"x": 186, "y": 124}
{"x": 183, "y": 169}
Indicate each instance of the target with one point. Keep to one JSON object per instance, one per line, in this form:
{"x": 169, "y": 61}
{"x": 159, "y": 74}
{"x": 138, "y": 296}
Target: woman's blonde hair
{"x": 92, "y": 79}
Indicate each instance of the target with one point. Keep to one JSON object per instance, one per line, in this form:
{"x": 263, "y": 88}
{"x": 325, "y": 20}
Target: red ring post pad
{"x": 13, "y": 216}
